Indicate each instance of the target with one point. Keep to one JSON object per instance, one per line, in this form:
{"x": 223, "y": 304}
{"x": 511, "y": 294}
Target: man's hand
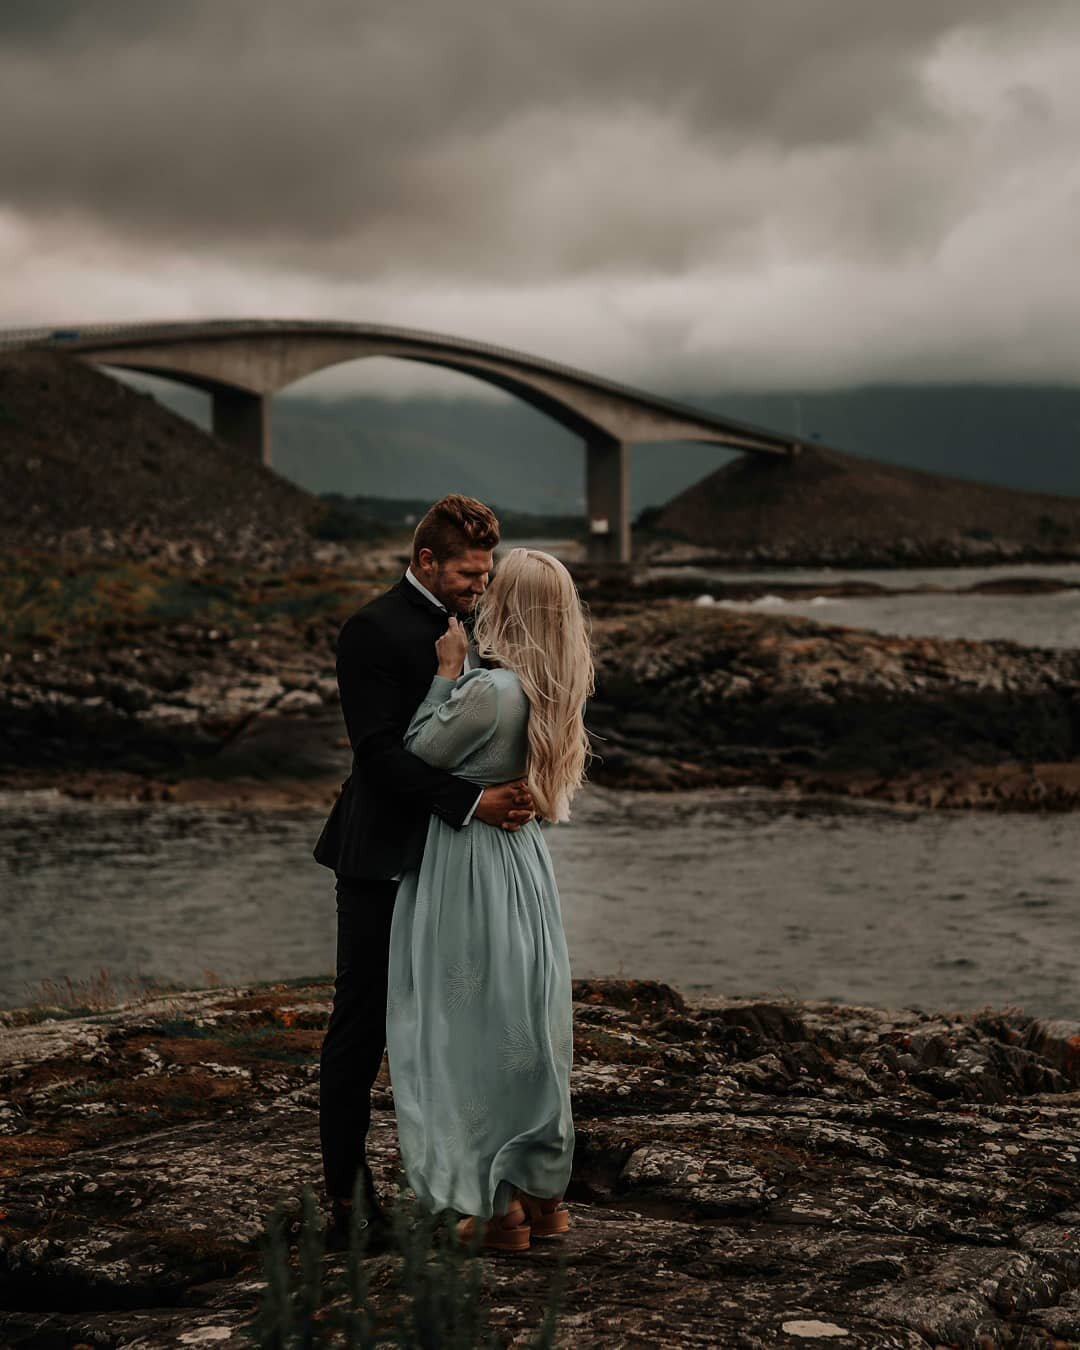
{"x": 507, "y": 806}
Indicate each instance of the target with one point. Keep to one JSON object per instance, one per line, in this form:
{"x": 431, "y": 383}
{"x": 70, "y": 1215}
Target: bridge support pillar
{"x": 607, "y": 500}
{"x": 243, "y": 420}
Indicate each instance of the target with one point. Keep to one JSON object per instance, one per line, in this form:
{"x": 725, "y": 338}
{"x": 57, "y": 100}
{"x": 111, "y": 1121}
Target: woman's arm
{"x": 455, "y": 719}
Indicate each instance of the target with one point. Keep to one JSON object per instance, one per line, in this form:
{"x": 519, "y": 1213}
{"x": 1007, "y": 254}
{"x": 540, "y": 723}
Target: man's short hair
{"x": 454, "y": 525}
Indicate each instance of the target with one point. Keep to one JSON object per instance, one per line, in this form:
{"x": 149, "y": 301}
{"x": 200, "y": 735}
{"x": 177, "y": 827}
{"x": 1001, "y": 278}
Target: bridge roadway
{"x": 242, "y": 363}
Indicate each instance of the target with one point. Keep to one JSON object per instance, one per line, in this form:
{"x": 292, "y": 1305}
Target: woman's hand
{"x": 451, "y": 649}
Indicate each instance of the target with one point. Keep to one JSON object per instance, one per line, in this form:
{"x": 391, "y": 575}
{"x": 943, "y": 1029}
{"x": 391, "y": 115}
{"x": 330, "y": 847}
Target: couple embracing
{"x": 463, "y": 694}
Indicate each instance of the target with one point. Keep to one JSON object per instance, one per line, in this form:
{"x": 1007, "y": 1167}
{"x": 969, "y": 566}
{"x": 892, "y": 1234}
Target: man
{"x": 385, "y": 662}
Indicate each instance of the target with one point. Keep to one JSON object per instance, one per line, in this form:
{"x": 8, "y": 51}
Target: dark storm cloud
{"x": 385, "y": 128}
{"x": 704, "y": 178}
{"x": 53, "y": 23}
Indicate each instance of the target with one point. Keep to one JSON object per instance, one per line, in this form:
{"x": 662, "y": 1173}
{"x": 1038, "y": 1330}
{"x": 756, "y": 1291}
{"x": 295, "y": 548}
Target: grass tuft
{"x": 432, "y": 1300}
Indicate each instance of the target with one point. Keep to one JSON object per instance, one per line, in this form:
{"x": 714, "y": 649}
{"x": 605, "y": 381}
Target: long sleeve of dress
{"x": 455, "y": 719}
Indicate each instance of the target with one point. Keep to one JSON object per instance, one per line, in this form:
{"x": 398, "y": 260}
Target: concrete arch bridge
{"x": 242, "y": 363}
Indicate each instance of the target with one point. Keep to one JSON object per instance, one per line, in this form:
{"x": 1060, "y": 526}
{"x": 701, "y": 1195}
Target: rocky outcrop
{"x": 746, "y": 1174}
{"x": 241, "y": 690}
{"x": 822, "y": 506}
{"x": 689, "y": 695}
{"x": 228, "y": 704}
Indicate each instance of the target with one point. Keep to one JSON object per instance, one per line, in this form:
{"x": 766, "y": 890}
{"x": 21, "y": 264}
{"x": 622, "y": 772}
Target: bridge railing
{"x": 60, "y": 335}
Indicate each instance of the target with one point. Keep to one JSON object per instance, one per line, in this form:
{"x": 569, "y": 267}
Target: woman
{"x": 479, "y": 1020}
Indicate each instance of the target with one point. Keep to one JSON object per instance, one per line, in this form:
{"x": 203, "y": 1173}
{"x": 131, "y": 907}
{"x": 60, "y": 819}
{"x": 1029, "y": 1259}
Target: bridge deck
{"x": 242, "y": 362}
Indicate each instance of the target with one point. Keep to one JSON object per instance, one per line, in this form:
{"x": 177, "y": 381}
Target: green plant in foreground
{"x": 432, "y": 1301}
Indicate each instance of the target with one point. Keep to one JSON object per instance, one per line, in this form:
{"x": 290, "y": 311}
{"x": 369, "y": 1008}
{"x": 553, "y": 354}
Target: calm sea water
{"x": 714, "y": 892}
{"x": 723, "y": 893}
{"x": 1033, "y": 620}
{"x": 893, "y": 578}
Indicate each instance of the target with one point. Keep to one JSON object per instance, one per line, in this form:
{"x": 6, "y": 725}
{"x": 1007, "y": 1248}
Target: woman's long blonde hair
{"x": 531, "y": 621}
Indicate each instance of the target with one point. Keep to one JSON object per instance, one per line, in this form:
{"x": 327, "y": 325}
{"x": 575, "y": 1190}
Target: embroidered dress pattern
{"x": 464, "y": 981}
{"x": 520, "y": 1052}
{"x": 469, "y": 1127}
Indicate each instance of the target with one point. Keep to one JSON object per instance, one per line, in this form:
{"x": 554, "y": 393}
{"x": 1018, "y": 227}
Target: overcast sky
{"x": 695, "y": 195}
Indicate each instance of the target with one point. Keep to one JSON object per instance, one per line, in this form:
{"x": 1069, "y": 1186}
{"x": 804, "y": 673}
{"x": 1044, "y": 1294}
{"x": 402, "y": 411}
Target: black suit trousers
{"x": 356, "y": 1035}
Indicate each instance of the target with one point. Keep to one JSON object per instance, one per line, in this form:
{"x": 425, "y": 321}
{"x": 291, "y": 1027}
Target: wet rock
{"x": 186, "y": 1205}
{"x": 710, "y": 1184}
{"x": 1061, "y": 1321}
{"x": 713, "y": 1204}
{"x": 687, "y": 696}
{"x": 1058, "y": 1041}
{"x": 754, "y": 698}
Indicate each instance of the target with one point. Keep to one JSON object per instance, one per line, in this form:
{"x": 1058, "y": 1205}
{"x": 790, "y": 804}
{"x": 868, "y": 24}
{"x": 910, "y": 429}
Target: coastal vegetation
{"x": 67, "y": 604}
{"x": 434, "y": 1300}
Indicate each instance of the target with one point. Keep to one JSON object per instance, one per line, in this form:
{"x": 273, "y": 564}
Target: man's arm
{"x": 369, "y": 682}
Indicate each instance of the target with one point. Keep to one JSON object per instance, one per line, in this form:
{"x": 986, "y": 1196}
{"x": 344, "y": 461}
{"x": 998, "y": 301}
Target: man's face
{"x": 456, "y": 582}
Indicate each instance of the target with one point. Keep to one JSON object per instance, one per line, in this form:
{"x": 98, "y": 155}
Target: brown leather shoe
{"x": 507, "y": 1232}
{"x": 547, "y": 1218}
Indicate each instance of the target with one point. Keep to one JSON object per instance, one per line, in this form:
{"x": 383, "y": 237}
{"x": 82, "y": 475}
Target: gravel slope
{"x": 91, "y": 466}
{"x": 824, "y": 506}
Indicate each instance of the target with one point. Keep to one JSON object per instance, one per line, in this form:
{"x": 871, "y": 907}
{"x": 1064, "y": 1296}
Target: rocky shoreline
{"x": 690, "y": 580}
{"x": 670, "y": 550}
{"x": 694, "y": 696}
{"x": 747, "y": 1173}
{"x": 147, "y": 683}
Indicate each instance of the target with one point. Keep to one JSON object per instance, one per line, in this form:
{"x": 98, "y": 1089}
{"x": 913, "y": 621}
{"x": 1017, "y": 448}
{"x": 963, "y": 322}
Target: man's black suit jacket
{"x": 385, "y": 663}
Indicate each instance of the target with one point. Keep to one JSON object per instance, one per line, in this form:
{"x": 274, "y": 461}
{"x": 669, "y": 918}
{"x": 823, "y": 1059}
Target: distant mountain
{"x": 367, "y": 448}
{"x": 1017, "y": 436}
{"x": 824, "y": 506}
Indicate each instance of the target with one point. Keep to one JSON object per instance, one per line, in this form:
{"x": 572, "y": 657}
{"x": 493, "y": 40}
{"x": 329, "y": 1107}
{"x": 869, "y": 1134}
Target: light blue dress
{"x": 479, "y": 1023}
